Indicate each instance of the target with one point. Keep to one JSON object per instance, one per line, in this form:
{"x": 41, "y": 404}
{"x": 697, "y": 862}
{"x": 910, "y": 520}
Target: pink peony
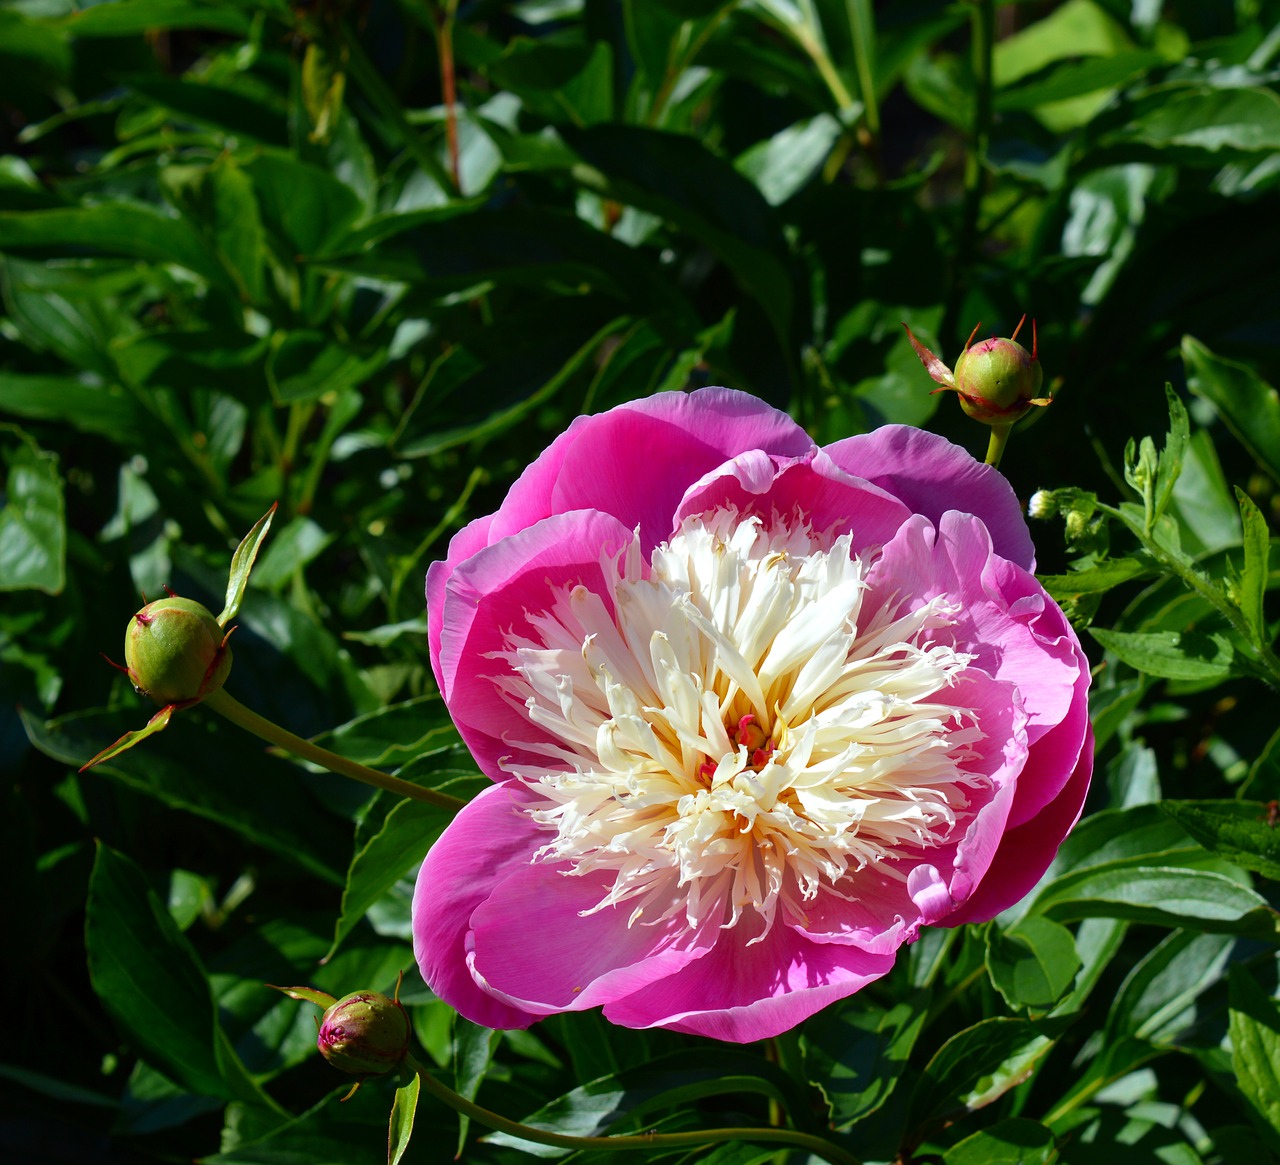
{"x": 755, "y": 713}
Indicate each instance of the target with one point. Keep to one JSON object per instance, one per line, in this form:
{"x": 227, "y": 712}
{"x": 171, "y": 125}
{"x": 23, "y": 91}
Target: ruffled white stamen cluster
{"x": 644, "y": 776}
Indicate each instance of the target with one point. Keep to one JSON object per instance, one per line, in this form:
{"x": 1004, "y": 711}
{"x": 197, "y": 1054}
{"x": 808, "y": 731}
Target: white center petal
{"x": 736, "y": 737}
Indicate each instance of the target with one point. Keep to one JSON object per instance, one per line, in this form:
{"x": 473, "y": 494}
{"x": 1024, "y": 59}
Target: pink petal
{"x": 931, "y": 475}
{"x": 490, "y": 838}
{"x": 1012, "y": 628}
{"x": 537, "y": 945}
{"x": 741, "y": 993}
{"x": 812, "y": 485}
{"x": 472, "y": 537}
{"x": 1026, "y": 851}
{"x": 635, "y": 461}
{"x": 492, "y": 593}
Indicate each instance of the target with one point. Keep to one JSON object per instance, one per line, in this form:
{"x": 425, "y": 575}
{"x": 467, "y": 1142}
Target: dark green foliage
{"x": 248, "y": 254}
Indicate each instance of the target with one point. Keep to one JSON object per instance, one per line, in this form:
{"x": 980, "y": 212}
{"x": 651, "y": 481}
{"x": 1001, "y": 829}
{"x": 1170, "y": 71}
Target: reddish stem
{"x": 449, "y": 85}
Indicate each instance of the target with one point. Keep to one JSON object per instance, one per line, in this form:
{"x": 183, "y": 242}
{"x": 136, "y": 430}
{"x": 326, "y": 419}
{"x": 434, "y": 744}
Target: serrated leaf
{"x": 1236, "y": 830}
{"x": 855, "y": 1054}
{"x": 1250, "y": 589}
{"x": 1033, "y": 963}
{"x": 1254, "y": 1027}
{"x": 1171, "y": 655}
{"x": 33, "y": 534}
{"x": 242, "y": 564}
{"x": 1174, "y": 451}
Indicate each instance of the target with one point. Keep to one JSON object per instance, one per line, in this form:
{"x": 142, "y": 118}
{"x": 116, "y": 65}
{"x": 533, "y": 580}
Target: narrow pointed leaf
{"x": 1251, "y": 588}
{"x": 242, "y": 564}
{"x": 157, "y": 723}
{"x": 400, "y": 1128}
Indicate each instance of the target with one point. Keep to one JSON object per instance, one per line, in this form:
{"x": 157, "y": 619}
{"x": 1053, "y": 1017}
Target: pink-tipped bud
{"x": 996, "y": 380}
{"x": 364, "y": 1033}
{"x": 175, "y": 652}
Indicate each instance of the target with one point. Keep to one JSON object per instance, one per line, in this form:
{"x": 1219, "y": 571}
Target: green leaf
{"x": 1096, "y": 580}
{"x": 1033, "y": 963}
{"x": 242, "y": 564}
{"x": 158, "y": 723}
{"x": 1254, "y": 1029}
{"x": 309, "y": 995}
{"x": 101, "y": 409}
{"x": 977, "y": 1066}
{"x": 1197, "y": 121}
{"x": 410, "y": 829}
{"x": 1016, "y": 1141}
{"x": 125, "y": 17}
{"x": 780, "y": 166}
{"x": 473, "y": 1048}
{"x": 667, "y": 1082}
{"x": 1236, "y": 830}
{"x": 1248, "y": 406}
{"x": 679, "y": 179}
{"x": 114, "y": 229}
{"x": 233, "y": 219}
{"x": 1160, "y": 896}
{"x": 305, "y": 365}
{"x": 855, "y": 1054}
{"x": 1156, "y": 1002}
{"x": 33, "y": 530}
{"x": 235, "y": 785}
{"x": 1249, "y": 591}
{"x": 153, "y": 986}
{"x": 1172, "y": 655}
{"x": 308, "y": 208}
{"x": 1174, "y": 452}
{"x": 400, "y": 1128}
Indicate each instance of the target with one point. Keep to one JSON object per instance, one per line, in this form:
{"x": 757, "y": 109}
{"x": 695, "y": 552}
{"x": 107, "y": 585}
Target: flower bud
{"x": 176, "y": 652}
{"x": 997, "y": 381}
{"x": 364, "y": 1033}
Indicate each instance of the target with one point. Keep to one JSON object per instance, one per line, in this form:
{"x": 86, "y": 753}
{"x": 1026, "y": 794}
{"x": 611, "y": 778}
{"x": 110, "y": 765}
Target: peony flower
{"x": 755, "y": 712}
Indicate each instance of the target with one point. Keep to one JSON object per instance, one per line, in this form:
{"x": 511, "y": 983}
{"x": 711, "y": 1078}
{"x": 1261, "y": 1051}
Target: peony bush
{"x": 755, "y": 712}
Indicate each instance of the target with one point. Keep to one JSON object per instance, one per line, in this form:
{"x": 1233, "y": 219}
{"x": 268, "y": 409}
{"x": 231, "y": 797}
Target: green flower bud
{"x": 176, "y": 652}
{"x": 997, "y": 381}
{"x": 364, "y": 1033}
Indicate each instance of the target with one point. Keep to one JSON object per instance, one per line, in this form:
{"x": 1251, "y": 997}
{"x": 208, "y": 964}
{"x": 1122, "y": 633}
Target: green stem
{"x": 863, "y": 28}
{"x": 250, "y": 721}
{"x": 1267, "y": 662}
{"x": 995, "y": 447}
{"x": 818, "y": 1146}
